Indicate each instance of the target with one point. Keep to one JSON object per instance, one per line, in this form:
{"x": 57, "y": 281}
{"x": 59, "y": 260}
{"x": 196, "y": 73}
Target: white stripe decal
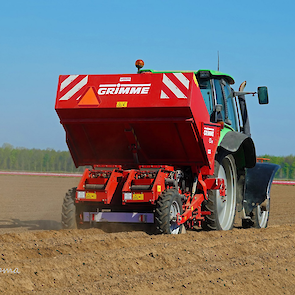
{"x": 183, "y": 79}
{"x": 75, "y": 89}
{"x": 124, "y": 85}
{"x": 173, "y": 87}
{"x": 67, "y": 81}
{"x": 164, "y": 95}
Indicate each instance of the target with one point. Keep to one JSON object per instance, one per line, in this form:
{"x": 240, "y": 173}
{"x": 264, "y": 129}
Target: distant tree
{"x": 292, "y": 170}
{"x": 286, "y": 163}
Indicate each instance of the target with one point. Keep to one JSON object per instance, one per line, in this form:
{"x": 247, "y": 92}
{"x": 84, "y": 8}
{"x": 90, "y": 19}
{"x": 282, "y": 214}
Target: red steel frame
{"x": 110, "y": 179}
{"x": 157, "y": 184}
{"x": 110, "y": 182}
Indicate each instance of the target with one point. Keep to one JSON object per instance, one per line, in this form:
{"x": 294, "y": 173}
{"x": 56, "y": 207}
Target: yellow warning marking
{"x": 159, "y": 188}
{"x": 121, "y": 104}
{"x": 89, "y": 98}
{"x": 137, "y": 197}
{"x": 91, "y": 196}
{"x": 195, "y": 79}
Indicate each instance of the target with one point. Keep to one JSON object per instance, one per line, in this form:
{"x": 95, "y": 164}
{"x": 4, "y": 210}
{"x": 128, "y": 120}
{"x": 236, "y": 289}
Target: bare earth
{"x": 47, "y": 260}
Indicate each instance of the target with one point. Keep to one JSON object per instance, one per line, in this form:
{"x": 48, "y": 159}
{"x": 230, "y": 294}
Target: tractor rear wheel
{"x": 68, "y": 215}
{"x": 222, "y": 208}
{"x": 168, "y": 205}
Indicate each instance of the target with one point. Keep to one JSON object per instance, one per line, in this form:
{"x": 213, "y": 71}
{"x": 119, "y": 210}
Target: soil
{"x": 47, "y": 260}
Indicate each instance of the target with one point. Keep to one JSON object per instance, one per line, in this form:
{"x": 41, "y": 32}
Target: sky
{"x": 40, "y": 40}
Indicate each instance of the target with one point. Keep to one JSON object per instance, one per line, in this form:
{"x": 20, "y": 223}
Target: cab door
{"x": 224, "y": 97}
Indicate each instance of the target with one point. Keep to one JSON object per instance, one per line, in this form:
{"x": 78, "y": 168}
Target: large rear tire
{"x": 222, "y": 208}
{"x": 168, "y": 205}
{"x": 68, "y": 215}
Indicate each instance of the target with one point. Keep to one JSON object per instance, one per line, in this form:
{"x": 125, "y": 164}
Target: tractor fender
{"x": 257, "y": 184}
{"x": 234, "y": 142}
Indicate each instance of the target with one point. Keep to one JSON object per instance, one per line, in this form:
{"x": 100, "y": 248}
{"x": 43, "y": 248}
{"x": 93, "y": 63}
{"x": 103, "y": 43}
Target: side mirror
{"x": 262, "y": 95}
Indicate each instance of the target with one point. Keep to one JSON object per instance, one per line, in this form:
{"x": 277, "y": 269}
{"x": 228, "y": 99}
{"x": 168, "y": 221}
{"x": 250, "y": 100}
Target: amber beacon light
{"x": 139, "y": 64}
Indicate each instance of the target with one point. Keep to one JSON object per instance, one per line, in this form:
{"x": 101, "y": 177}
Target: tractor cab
{"x": 218, "y": 96}
{"x": 221, "y": 99}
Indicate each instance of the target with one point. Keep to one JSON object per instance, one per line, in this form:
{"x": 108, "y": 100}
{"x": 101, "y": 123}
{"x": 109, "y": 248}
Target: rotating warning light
{"x": 139, "y": 64}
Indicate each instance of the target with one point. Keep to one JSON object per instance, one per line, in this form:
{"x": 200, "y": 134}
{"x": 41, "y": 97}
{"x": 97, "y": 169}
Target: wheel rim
{"x": 226, "y": 205}
{"x": 262, "y": 216}
{"x": 174, "y": 209}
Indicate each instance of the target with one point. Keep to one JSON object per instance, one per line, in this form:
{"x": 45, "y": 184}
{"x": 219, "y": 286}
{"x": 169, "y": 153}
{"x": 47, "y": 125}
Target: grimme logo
{"x": 105, "y": 89}
{"x": 208, "y": 131}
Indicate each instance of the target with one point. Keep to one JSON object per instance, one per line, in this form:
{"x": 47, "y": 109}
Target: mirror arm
{"x": 238, "y": 93}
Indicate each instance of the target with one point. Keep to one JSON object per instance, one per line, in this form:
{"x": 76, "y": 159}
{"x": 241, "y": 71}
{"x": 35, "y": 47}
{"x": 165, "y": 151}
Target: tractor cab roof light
{"x": 139, "y": 64}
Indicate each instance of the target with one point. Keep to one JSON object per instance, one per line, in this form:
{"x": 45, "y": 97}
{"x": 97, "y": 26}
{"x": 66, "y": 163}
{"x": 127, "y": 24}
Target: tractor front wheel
{"x": 168, "y": 205}
{"x": 222, "y": 208}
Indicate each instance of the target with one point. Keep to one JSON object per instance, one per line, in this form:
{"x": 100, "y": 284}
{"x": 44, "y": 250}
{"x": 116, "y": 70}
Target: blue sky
{"x": 42, "y": 39}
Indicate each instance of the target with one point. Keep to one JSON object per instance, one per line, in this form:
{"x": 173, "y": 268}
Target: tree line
{"x": 49, "y": 160}
{"x": 36, "y": 160}
{"x": 287, "y": 163}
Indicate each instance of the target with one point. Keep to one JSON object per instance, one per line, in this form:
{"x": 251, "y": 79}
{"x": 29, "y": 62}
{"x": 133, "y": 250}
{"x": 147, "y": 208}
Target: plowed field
{"x": 46, "y": 260}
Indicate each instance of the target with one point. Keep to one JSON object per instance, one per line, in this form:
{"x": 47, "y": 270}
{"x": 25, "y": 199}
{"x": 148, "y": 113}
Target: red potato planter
{"x": 166, "y": 149}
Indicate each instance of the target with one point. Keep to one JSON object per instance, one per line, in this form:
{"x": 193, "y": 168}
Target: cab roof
{"x": 211, "y": 73}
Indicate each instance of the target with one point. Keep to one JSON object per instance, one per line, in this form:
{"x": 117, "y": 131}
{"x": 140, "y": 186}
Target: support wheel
{"x": 222, "y": 208}
{"x": 168, "y": 205}
{"x": 68, "y": 215}
{"x": 260, "y": 215}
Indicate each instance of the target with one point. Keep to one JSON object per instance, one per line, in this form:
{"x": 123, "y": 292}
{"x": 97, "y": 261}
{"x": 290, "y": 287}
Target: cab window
{"x": 219, "y": 96}
{"x": 230, "y": 106}
{"x": 224, "y": 97}
{"x": 206, "y": 90}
